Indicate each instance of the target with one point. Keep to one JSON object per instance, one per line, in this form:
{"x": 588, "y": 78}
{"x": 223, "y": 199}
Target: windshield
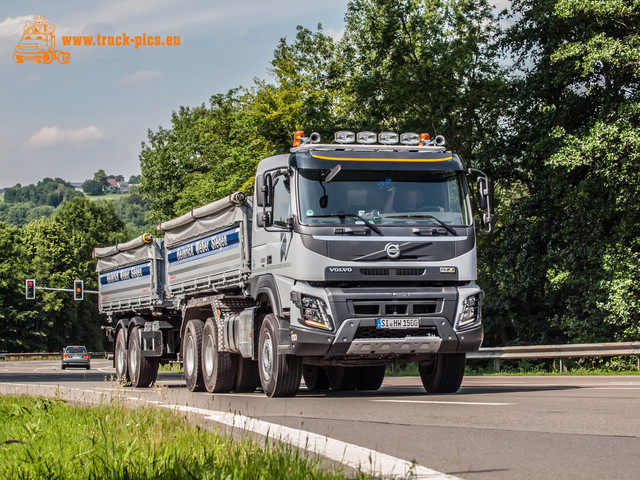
{"x": 383, "y": 197}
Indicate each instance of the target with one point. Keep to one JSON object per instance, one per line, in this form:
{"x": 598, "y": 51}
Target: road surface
{"x": 493, "y": 428}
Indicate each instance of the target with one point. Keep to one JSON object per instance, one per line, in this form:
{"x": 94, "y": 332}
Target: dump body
{"x": 208, "y": 249}
{"x": 131, "y": 275}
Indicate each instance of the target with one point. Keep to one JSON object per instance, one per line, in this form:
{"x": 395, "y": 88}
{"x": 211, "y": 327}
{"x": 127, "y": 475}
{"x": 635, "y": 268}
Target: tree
{"x": 416, "y": 65}
{"x": 564, "y": 256}
{"x": 92, "y": 187}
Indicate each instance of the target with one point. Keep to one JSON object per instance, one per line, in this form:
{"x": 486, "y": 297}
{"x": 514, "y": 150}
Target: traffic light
{"x": 78, "y": 289}
{"x": 30, "y": 289}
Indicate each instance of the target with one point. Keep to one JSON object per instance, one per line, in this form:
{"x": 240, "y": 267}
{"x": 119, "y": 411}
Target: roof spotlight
{"x": 388, "y": 138}
{"x": 367, "y": 137}
{"x": 345, "y": 136}
{"x": 410, "y": 138}
{"x": 439, "y": 140}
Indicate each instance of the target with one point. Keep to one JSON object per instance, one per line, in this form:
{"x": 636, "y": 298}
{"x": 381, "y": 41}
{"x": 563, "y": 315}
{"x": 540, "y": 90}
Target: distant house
{"x": 77, "y": 186}
{"x": 123, "y": 187}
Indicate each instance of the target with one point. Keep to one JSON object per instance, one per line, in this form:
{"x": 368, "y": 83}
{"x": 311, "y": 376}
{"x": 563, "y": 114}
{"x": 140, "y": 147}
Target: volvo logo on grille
{"x": 393, "y": 250}
{"x": 340, "y": 269}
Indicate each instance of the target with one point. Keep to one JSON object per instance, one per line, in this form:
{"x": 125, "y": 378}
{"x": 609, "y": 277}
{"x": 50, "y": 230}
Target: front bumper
{"x": 357, "y": 334}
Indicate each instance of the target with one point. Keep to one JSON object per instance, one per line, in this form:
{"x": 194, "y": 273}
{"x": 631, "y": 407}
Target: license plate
{"x": 397, "y": 322}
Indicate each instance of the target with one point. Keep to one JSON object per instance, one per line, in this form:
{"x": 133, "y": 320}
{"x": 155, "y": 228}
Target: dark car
{"x": 75, "y": 356}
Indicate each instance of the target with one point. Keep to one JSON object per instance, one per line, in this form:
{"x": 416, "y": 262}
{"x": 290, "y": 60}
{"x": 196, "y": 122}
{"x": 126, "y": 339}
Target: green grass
{"x": 50, "y": 439}
{"x": 107, "y": 196}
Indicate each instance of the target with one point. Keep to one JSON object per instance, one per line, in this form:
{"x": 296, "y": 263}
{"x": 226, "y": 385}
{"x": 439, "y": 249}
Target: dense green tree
{"x": 564, "y": 259}
{"x": 92, "y": 187}
{"x": 48, "y": 191}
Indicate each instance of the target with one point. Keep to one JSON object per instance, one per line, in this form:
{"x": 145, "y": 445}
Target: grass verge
{"x": 50, "y": 439}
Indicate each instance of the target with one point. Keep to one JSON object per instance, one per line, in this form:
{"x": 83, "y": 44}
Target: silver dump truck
{"x": 350, "y": 257}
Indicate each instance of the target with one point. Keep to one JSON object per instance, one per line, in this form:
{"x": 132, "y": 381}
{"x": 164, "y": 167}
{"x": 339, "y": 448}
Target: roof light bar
{"x": 410, "y": 138}
{"x": 388, "y": 138}
{"x": 367, "y": 137}
{"x": 345, "y": 136}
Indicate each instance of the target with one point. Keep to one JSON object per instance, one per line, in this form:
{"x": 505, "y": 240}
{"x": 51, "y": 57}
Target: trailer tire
{"x": 444, "y": 373}
{"x": 143, "y": 371}
{"x": 343, "y": 379}
{"x": 248, "y": 377}
{"x": 279, "y": 374}
{"x": 315, "y": 378}
{"x": 120, "y": 357}
{"x": 218, "y": 368}
{"x": 371, "y": 377}
{"x": 191, "y": 355}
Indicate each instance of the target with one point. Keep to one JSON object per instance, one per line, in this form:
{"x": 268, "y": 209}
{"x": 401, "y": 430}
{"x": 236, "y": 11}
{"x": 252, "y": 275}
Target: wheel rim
{"x": 267, "y": 356}
{"x": 208, "y": 355}
{"x": 120, "y": 358}
{"x": 133, "y": 357}
{"x": 189, "y": 357}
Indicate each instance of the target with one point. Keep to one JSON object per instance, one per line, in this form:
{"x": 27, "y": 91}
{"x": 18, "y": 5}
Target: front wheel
{"x": 143, "y": 371}
{"x": 191, "y": 358}
{"x": 315, "y": 378}
{"x": 120, "y": 356}
{"x": 279, "y": 374}
{"x": 443, "y": 373}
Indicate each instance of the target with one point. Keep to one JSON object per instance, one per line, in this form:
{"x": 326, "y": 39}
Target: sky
{"x": 71, "y": 120}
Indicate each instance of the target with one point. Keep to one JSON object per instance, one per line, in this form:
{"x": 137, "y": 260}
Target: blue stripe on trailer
{"x": 203, "y": 247}
{"x": 134, "y": 272}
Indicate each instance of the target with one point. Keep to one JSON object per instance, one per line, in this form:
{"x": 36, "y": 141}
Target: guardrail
{"x": 559, "y": 352}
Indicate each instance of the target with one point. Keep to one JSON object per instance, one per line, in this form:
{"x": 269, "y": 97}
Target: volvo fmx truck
{"x": 351, "y": 256}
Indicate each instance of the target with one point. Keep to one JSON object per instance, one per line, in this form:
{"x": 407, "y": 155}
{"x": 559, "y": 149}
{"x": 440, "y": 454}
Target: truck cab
{"x": 366, "y": 254}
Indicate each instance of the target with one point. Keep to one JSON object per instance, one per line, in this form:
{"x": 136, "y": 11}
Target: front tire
{"x": 218, "y": 368}
{"x": 444, "y": 373}
{"x": 279, "y": 374}
{"x": 191, "y": 356}
{"x": 371, "y": 377}
{"x": 143, "y": 371}
{"x": 343, "y": 379}
{"x": 120, "y": 356}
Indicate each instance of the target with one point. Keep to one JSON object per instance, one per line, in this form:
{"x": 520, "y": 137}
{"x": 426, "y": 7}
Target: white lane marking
{"x": 354, "y": 456}
{"x": 442, "y": 402}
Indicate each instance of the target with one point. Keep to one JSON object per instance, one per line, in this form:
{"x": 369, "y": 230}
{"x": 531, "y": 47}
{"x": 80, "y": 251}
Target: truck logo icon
{"x": 38, "y": 43}
{"x": 393, "y": 250}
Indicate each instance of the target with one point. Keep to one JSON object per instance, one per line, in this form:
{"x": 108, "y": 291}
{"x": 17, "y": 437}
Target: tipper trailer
{"x": 350, "y": 257}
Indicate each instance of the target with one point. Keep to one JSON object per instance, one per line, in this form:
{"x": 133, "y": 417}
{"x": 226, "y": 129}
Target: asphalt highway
{"x": 493, "y": 428}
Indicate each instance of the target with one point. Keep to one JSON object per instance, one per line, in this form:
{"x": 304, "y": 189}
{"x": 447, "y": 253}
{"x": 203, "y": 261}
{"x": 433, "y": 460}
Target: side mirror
{"x": 267, "y": 189}
{"x": 259, "y": 191}
{"x": 483, "y": 192}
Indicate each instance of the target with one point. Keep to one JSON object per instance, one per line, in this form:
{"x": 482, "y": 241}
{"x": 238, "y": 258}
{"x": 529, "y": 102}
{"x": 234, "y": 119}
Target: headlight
{"x": 314, "y": 313}
{"x": 471, "y": 312}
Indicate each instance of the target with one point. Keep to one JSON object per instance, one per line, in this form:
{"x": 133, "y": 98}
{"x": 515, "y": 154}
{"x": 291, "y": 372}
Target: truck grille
{"x": 392, "y": 271}
{"x": 366, "y": 333}
{"x": 418, "y": 307}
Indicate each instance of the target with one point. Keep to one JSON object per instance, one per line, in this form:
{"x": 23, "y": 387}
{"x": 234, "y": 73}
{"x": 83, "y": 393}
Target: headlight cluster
{"x": 314, "y": 313}
{"x": 471, "y": 311}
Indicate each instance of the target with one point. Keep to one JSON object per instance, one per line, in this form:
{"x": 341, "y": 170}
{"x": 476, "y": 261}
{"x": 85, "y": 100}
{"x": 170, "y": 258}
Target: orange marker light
{"x": 424, "y": 138}
{"x": 297, "y": 135}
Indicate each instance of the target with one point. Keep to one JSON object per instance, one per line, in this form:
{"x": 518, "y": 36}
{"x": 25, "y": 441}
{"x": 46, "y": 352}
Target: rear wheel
{"x": 343, "y": 379}
{"x": 279, "y": 374}
{"x": 443, "y": 373}
{"x": 143, "y": 371}
{"x": 191, "y": 358}
{"x": 218, "y": 368}
{"x": 371, "y": 377}
{"x": 248, "y": 378}
{"x": 120, "y": 356}
{"x": 315, "y": 378}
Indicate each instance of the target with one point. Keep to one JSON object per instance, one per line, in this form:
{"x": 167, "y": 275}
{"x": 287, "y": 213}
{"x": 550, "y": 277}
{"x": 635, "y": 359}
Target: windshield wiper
{"x": 344, "y": 215}
{"x": 428, "y": 217}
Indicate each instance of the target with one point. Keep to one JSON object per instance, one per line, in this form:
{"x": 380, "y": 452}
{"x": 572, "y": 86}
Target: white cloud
{"x": 12, "y": 26}
{"x": 48, "y": 136}
{"x": 141, "y": 76}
